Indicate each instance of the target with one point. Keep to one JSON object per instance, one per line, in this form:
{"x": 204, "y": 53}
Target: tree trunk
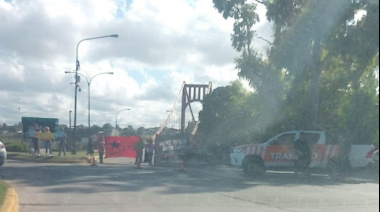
{"x": 315, "y": 81}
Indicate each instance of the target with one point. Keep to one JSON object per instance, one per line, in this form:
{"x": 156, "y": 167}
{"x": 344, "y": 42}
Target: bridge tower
{"x": 192, "y": 93}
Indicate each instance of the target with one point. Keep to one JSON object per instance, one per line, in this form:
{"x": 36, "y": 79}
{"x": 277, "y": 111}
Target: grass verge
{"x": 80, "y": 157}
{"x": 3, "y": 191}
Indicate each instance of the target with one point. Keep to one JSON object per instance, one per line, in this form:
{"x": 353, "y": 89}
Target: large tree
{"x": 321, "y": 65}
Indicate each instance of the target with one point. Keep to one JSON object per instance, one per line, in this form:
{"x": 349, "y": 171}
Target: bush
{"x": 16, "y": 147}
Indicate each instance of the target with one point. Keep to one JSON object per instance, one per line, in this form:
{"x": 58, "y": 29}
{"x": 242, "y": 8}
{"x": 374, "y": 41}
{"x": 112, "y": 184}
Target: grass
{"x": 80, "y": 157}
{"x": 3, "y": 191}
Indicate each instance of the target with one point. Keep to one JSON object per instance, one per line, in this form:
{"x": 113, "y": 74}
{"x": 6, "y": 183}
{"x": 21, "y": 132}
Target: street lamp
{"x": 118, "y": 114}
{"x": 89, "y": 99}
{"x": 77, "y": 65}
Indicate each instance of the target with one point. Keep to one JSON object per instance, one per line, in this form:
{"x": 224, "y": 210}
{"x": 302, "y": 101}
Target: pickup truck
{"x": 278, "y": 152}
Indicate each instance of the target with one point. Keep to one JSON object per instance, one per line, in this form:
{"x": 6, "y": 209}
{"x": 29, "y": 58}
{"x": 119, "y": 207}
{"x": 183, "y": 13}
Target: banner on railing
{"x": 117, "y": 146}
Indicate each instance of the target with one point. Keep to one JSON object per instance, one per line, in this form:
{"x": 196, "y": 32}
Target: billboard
{"x": 52, "y": 123}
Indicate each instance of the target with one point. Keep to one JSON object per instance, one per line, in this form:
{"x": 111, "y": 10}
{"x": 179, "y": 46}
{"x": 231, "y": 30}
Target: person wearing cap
{"x": 47, "y": 137}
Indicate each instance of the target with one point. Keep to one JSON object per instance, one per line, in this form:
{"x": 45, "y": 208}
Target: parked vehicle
{"x": 3, "y": 153}
{"x": 278, "y": 152}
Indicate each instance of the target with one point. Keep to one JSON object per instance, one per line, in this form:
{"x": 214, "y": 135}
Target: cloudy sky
{"x": 160, "y": 45}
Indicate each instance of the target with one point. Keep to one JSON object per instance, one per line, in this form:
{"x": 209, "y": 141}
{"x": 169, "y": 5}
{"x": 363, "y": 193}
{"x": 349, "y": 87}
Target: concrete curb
{"x": 10, "y": 202}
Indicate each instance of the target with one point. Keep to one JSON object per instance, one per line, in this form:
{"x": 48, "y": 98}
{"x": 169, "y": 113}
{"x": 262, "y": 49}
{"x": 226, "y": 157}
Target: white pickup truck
{"x": 279, "y": 152}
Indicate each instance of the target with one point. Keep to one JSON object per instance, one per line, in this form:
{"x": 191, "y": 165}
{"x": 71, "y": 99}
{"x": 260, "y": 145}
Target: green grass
{"x": 80, "y": 157}
{"x": 3, "y": 191}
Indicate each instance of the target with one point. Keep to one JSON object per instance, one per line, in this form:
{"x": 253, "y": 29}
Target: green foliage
{"x": 16, "y": 146}
{"x": 321, "y": 72}
{"x": 140, "y": 130}
{"x": 3, "y": 191}
{"x": 245, "y": 17}
{"x": 12, "y": 129}
{"x": 95, "y": 129}
{"x": 4, "y": 127}
{"x": 129, "y": 131}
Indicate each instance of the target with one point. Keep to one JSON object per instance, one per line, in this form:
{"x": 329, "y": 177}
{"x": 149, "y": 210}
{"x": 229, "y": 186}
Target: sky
{"x": 161, "y": 44}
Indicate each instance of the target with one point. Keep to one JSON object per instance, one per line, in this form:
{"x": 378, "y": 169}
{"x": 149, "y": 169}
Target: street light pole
{"x": 118, "y": 114}
{"x": 77, "y": 65}
{"x": 70, "y": 119}
{"x": 89, "y": 96}
{"x": 89, "y": 100}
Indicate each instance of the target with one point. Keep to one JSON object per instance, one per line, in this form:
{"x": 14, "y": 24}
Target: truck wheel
{"x": 253, "y": 168}
{"x": 2, "y": 160}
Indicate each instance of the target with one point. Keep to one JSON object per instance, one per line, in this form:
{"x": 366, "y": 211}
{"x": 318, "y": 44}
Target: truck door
{"x": 279, "y": 151}
{"x": 318, "y": 147}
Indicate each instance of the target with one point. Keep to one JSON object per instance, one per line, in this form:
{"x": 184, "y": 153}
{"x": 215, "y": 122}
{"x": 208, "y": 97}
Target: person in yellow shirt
{"x": 47, "y": 137}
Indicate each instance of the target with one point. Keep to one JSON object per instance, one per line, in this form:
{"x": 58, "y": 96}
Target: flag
{"x": 117, "y": 146}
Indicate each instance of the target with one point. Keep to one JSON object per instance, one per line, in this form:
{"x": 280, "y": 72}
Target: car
{"x": 3, "y": 153}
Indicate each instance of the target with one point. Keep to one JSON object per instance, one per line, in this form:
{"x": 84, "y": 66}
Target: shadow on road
{"x": 85, "y": 179}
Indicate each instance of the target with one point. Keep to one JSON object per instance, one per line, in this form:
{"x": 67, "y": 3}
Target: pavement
{"x": 10, "y": 202}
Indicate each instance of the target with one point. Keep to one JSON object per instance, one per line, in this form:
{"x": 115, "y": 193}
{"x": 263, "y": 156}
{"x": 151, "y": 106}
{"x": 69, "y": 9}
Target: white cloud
{"x": 160, "y": 45}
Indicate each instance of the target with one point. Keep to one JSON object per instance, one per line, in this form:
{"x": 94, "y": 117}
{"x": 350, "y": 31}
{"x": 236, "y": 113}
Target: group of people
{"x": 98, "y": 142}
{"x": 149, "y": 148}
{"x": 35, "y": 135}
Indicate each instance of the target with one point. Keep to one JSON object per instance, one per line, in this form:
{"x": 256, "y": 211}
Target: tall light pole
{"x": 70, "y": 118}
{"x": 77, "y": 65}
{"x": 89, "y": 96}
{"x": 118, "y": 114}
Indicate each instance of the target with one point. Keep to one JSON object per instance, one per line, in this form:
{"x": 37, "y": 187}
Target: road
{"x": 119, "y": 186}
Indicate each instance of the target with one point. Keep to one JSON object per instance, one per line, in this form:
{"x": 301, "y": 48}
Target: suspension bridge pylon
{"x": 188, "y": 93}
{"x": 192, "y": 93}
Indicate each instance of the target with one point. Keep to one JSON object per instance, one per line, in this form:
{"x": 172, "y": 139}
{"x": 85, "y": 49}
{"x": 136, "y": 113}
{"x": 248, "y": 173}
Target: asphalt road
{"x": 119, "y": 186}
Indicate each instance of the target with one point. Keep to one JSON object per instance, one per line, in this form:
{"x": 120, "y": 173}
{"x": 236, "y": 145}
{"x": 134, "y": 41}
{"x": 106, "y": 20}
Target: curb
{"x": 10, "y": 202}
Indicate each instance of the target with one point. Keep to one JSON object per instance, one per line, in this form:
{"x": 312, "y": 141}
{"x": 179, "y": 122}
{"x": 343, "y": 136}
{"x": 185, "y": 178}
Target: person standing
{"x": 101, "y": 146}
{"x": 61, "y": 138}
{"x": 30, "y": 134}
{"x": 149, "y": 148}
{"x": 36, "y": 142}
{"x": 33, "y": 136}
{"x": 139, "y": 147}
{"x": 47, "y": 137}
{"x": 303, "y": 152}
{"x": 90, "y": 146}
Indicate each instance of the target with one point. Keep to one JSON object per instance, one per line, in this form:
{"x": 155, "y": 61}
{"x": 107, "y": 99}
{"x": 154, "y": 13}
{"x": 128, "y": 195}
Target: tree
{"x": 12, "y": 129}
{"x": 107, "y": 128}
{"x": 4, "y": 127}
{"x": 129, "y": 131}
{"x": 318, "y": 46}
{"x": 226, "y": 116}
{"x": 140, "y": 130}
{"x": 95, "y": 129}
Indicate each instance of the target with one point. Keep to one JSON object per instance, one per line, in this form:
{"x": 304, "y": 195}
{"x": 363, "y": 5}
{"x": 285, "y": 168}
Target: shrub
{"x": 16, "y": 147}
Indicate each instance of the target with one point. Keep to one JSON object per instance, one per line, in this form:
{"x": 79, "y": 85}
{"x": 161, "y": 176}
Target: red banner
{"x": 121, "y": 146}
